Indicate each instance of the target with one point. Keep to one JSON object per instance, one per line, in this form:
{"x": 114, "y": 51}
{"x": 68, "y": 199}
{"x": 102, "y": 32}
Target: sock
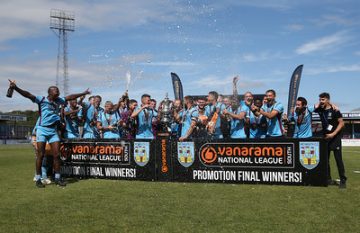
{"x": 37, "y": 177}
{"x": 43, "y": 172}
{"x": 57, "y": 176}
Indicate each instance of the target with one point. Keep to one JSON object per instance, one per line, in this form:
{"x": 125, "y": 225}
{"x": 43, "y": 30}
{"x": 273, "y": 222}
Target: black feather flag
{"x": 178, "y": 88}
{"x": 294, "y": 88}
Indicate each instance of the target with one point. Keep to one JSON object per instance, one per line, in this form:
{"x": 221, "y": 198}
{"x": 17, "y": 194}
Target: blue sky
{"x": 205, "y": 42}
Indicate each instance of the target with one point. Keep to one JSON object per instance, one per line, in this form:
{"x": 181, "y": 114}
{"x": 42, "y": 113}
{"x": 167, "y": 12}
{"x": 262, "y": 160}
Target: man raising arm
{"x": 49, "y": 109}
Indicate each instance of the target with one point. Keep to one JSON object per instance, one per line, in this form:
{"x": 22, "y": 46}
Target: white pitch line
{"x": 352, "y": 151}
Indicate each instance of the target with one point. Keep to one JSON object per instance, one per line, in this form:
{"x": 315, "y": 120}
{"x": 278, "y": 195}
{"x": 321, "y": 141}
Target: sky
{"x": 135, "y": 44}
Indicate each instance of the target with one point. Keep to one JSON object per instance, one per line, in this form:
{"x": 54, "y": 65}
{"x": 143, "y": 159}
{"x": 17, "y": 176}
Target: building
{"x": 10, "y": 129}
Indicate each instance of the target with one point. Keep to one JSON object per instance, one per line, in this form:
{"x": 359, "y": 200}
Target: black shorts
{"x": 335, "y": 143}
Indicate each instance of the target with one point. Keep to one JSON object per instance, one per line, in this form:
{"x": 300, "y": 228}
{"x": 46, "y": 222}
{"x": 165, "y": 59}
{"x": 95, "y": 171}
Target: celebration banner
{"x": 131, "y": 160}
{"x": 271, "y": 161}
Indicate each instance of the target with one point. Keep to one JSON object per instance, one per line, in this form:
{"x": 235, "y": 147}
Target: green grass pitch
{"x": 96, "y": 205}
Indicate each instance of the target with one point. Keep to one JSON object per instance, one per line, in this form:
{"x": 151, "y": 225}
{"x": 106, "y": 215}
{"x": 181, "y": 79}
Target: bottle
{"x": 10, "y": 92}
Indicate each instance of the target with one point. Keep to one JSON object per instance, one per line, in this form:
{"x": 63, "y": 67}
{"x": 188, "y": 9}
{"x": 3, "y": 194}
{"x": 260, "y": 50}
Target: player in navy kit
{"x": 332, "y": 127}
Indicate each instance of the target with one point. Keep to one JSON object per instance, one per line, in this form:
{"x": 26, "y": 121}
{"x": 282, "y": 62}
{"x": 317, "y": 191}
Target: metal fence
{"x": 15, "y": 131}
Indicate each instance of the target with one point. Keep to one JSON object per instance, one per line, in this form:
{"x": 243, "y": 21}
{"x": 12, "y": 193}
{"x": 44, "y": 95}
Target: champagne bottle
{"x": 10, "y": 92}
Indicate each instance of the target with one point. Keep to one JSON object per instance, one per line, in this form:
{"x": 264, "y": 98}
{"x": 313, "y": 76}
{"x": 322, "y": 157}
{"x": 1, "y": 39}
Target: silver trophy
{"x": 166, "y": 109}
{"x": 166, "y": 114}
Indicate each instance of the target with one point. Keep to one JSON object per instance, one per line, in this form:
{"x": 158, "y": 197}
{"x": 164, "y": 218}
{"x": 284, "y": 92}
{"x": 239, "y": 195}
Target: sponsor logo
{"x": 141, "y": 153}
{"x": 309, "y": 154}
{"x": 65, "y": 152}
{"x": 164, "y": 165}
{"x": 98, "y": 149}
{"x": 185, "y": 153}
{"x": 280, "y": 155}
{"x": 208, "y": 155}
{"x": 117, "y": 153}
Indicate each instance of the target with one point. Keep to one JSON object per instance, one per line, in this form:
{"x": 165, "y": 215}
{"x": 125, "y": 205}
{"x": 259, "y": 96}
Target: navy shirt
{"x": 329, "y": 119}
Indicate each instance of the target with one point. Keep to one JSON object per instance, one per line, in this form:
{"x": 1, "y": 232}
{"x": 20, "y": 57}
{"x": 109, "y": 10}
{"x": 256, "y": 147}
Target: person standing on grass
{"x": 175, "y": 126}
{"x": 129, "y": 124}
{"x": 46, "y": 131}
{"x": 273, "y": 111}
{"x": 302, "y": 116}
{"x": 256, "y": 122}
{"x": 108, "y": 122}
{"x": 46, "y": 166}
{"x": 214, "y": 112}
{"x": 332, "y": 128}
{"x": 72, "y": 115}
{"x": 187, "y": 118}
{"x": 90, "y": 112}
{"x": 144, "y": 115}
{"x": 155, "y": 125}
{"x": 237, "y": 115}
